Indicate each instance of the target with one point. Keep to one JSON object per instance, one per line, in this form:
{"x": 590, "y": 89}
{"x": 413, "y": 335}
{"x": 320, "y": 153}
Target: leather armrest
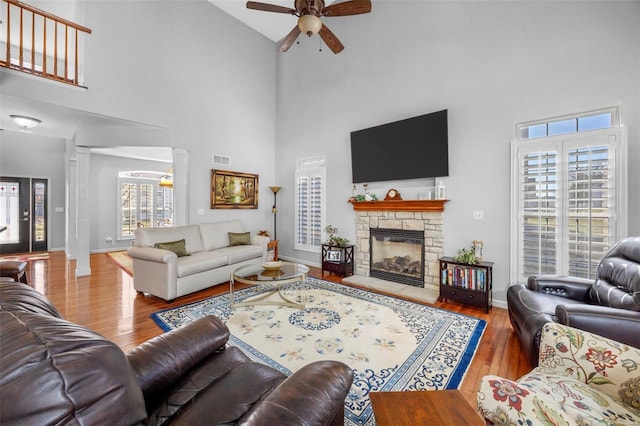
{"x": 563, "y": 286}
{"x": 612, "y": 323}
{"x": 152, "y": 254}
{"x": 310, "y": 396}
{"x": 161, "y": 361}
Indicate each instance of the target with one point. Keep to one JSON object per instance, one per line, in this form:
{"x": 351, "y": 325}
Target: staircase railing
{"x": 40, "y": 43}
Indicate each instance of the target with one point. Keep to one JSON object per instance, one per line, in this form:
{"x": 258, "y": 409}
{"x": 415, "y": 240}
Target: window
{"x": 146, "y": 200}
{"x": 584, "y": 122}
{"x": 569, "y": 199}
{"x": 310, "y": 204}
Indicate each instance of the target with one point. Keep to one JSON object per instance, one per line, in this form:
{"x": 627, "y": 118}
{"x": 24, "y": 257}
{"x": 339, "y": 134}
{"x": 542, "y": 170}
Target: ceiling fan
{"x": 309, "y": 13}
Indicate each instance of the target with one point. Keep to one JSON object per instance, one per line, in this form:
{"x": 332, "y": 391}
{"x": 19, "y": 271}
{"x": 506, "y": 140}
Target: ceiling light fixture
{"x": 309, "y": 24}
{"x": 26, "y": 123}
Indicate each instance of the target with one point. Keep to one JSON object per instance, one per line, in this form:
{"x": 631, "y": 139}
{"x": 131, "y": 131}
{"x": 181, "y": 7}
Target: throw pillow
{"x": 178, "y": 247}
{"x": 239, "y": 238}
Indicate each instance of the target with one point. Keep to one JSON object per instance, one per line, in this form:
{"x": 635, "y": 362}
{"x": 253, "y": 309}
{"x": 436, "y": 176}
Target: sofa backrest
{"x": 147, "y": 237}
{"x": 618, "y": 276}
{"x": 21, "y": 297}
{"x": 57, "y": 372}
{"x": 216, "y": 235}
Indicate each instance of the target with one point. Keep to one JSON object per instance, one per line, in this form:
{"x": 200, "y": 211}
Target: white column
{"x": 180, "y": 187}
{"x": 83, "y": 219}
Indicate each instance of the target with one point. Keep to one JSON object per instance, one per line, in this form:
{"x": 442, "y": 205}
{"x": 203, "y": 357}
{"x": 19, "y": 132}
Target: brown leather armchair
{"x": 608, "y": 306}
{"x": 53, "y": 371}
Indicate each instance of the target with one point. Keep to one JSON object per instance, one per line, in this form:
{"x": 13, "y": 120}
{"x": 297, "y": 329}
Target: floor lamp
{"x": 274, "y": 209}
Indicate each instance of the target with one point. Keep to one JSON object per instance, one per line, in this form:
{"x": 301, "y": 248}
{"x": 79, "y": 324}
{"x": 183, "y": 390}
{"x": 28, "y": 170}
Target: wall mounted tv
{"x": 414, "y": 148}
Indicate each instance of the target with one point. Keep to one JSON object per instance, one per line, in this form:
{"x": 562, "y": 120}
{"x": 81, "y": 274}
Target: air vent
{"x": 224, "y": 160}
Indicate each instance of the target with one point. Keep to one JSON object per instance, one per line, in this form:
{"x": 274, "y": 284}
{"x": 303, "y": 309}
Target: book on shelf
{"x": 464, "y": 277}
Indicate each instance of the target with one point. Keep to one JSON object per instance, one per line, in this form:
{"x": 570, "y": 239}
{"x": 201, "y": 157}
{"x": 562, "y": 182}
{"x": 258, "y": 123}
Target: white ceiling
{"x": 272, "y": 25}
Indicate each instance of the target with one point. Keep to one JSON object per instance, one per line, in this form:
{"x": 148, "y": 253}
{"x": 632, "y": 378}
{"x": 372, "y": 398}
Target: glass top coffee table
{"x": 258, "y": 275}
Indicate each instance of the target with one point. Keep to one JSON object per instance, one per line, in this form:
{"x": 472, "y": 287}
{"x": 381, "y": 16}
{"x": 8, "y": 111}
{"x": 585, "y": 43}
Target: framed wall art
{"x": 233, "y": 190}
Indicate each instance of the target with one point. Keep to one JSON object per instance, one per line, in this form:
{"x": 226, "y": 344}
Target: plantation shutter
{"x": 568, "y": 204}
{"x": 588, "y": 209}
{"x": 310, "y": 199}
{"x": 539, "y": 207}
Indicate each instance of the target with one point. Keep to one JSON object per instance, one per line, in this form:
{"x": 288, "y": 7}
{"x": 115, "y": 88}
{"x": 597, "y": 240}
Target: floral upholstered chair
{"x": 581, "y": 379}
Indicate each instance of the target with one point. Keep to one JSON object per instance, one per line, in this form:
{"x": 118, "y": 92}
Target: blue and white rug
{"x": 390, "y": 344}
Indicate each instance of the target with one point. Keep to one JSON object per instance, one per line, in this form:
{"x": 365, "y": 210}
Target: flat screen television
{"x": 414, "y": 148}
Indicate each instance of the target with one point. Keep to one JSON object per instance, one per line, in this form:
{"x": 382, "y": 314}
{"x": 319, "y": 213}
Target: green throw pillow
{"x": 239, "y": 238}
{"x": 178, "y": 247}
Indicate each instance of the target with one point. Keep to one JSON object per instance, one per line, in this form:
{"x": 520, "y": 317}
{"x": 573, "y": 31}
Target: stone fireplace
{"x": 421, "y": 217}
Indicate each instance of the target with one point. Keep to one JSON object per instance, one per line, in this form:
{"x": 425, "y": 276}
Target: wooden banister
{"x": 48, "y": 15}
{"x": 27, "y": 57}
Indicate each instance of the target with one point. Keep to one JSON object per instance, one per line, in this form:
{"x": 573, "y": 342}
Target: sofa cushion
{"x": 546, "y": 395}
{"x": 178, "y": 247}
{"x": 147, "y": 237}
{"x": 199, "y": 262}
{"x": 239, "y": 238}
{"x": 216, "y": 235}
{"x": 237, "y": 254}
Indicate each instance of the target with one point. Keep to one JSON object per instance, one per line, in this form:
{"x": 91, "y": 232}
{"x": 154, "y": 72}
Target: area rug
{"x": 123, "y": 261}
{"x": 391, "y": 344}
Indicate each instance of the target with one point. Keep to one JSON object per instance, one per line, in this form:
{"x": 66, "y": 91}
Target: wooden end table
{"x": 447, "y": 407}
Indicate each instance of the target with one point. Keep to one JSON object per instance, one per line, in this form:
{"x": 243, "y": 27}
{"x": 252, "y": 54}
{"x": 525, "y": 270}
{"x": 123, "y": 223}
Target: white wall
{"x": 188, "y": 68}
{"x": 104, "y": 182}
{"x": 17, "y": 159}
{"x": 491, "y": 64}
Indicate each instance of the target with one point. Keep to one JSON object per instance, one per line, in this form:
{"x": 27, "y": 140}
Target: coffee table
{"x": 257, "y": 275}
{"x": 437, "y": 408}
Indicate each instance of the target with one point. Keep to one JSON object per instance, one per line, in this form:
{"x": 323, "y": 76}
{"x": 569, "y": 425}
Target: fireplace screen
{"x": 397, "y": 255}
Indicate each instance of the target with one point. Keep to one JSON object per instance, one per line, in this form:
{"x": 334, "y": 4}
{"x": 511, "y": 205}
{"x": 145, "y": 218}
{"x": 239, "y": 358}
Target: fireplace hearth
{"x": 397, "y": 255}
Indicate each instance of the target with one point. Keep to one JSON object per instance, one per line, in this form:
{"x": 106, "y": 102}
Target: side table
{"x": 338, "y": 259}
{"x": 272, "y": 250}
{"x": 446, "y": 407}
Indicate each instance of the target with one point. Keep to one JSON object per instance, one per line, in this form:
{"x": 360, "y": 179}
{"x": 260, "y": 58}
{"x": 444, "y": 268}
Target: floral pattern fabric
{"x": 582, "y": 379}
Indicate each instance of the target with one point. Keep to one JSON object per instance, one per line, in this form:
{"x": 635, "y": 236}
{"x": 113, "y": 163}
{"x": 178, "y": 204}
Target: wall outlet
{"x": 478, "y": 215}
{"x": 200, "y": 211}
{"x": 108, "y": 240}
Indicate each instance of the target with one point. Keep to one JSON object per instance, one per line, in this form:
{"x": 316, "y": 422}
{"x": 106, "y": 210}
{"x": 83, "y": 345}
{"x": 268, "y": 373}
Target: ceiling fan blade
{"x": 286, "y": 42}
{"x": 270, "y": 7}
{"x": 330, "y": 39}
{"x": 349, "y": 7}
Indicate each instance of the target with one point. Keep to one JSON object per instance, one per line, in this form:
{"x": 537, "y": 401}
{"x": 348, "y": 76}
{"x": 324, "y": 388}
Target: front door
{"x": 23, "y": 211}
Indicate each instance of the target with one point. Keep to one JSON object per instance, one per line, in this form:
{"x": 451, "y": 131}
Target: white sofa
{"x": 210, "y": 261}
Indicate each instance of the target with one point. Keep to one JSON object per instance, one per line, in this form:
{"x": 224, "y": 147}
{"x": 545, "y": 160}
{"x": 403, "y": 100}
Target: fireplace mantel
{"x": 400, "y": 205}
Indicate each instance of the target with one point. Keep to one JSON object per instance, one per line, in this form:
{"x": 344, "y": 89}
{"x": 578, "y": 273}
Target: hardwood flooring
{"x": 106, "y": 302}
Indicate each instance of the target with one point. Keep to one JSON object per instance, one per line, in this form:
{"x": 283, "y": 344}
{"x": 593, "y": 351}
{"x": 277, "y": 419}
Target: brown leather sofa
{"x": 608, "y": 306}
{"x": 53, "y": 371}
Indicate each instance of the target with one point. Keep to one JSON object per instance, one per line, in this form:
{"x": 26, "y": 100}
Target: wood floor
{"x": 107, "y": 303}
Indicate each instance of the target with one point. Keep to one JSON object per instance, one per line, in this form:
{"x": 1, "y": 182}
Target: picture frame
{"x": 233, "y": 190}
{"x": 333, "y": 256}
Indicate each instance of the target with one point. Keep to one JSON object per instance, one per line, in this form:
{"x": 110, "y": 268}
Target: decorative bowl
{"x": 272, "y": 266}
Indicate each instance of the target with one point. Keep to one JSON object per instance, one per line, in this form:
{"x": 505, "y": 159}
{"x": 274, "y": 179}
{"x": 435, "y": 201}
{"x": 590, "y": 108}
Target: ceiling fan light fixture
{"x": 26, "y": 123}
{"x": 309, "y": 24}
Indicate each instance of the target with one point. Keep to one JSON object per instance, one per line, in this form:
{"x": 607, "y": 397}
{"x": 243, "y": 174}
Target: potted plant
{"x": 334, "y": 239}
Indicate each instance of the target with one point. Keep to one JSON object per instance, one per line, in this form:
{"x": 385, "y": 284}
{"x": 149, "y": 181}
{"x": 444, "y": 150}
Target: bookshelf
{"x": 468, "y": 284}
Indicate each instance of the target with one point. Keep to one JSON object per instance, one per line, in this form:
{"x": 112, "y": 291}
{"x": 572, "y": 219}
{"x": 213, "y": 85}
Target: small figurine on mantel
{"x": 362, "y": 197}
